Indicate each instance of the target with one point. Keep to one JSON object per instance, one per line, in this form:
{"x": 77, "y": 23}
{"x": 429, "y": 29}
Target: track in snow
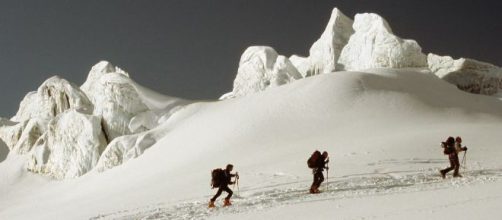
{"x": 297, "y": 192}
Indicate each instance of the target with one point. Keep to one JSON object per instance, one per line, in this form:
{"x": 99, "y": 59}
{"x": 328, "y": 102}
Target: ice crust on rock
{"x": 10, "y": 132}
{"x": 53, "y": 97}
{"x": 64, "y": 129}
{"x": 467, "y": 74}
{"x": 70, "y": 147}
{"x": 114, "y": 97}
{"x": 373, "y": 45}
{"x": 125, "y": 148}
{"x": 324, "y": 53}
{"x": 261, "y": 67}
{"x": 21, "y": 136}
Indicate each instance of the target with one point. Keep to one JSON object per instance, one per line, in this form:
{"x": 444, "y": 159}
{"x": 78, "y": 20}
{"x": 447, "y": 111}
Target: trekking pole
{"x": 327, "y": 176}
{"x": 237, "y": 183}
{"x": 464, "y": 160}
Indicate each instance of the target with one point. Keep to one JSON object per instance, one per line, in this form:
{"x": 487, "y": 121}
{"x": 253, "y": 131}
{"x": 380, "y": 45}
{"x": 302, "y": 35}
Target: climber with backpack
{"x": 221, "y": 178}
{"x": 317, "y": 162}
{"x": 451, "y": 148}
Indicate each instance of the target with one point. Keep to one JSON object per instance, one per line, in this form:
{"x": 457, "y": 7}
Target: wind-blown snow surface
{"x": 382, "y": 129}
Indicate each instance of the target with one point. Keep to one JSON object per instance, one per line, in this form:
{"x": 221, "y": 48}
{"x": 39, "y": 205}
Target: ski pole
{"x": 327, "y": 175}
{"x": 237, "y": 183}
{"x": 464, "y": 159}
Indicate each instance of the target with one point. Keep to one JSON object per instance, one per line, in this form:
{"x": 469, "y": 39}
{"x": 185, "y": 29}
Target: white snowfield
{"x": 113, "y": 149}
{"x": 382, "y": 128}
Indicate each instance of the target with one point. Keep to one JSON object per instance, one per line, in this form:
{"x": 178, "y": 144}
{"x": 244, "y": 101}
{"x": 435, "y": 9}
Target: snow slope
{"x": 382, "y": 127}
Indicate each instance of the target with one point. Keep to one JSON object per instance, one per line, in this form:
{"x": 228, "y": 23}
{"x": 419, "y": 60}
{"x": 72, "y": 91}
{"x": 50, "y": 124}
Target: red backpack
{"x": 312, "y": 161}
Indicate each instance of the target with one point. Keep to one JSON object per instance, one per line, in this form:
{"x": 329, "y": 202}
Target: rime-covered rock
{"x": 10, "y": 132}
{"x": 302, "y": 64}
{"x": 114, "y": 97}
{"x": 21, "y": 136}
{"x": 53, "y": 97}
{"x": 261, "y": 67}
{"x": 144, "y": 121}
{"x": 324, "y": 53}
{"x": 373, "y": 45}
{"x": 467, "y": 74}
{"x": 125, "y": 148}
{"x": 4, "y": 148}
{"x": 70, "y": 147}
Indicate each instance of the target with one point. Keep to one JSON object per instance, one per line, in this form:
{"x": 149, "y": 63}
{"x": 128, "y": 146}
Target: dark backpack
{"x": 447, "y": 149}
{"x": 217, "y": 177}
{"x": 312, "y": 161}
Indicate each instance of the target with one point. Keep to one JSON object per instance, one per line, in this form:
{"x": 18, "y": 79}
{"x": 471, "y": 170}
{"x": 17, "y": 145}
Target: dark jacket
{"x": 228, "y": 178}
{"x": 452, "y": 150}
{"x": 320, "y": 164}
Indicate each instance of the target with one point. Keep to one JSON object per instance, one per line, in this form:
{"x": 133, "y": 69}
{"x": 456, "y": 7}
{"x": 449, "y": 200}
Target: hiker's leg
{"x": 314, "y": 181}
{"x": 452, "y": 166}
{"x": 217, "y": 194}
{"x": 229, "y": 191}
{"x": 457, "y": 167}
{"x": 319, "y": 178}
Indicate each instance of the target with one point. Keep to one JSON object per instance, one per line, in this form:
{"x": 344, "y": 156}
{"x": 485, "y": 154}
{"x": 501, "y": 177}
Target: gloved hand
{"x": 465, "y": 148}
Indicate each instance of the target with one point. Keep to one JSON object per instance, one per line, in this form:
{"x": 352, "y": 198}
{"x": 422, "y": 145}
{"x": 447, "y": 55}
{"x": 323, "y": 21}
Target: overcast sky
{"x": 191, "y": 49}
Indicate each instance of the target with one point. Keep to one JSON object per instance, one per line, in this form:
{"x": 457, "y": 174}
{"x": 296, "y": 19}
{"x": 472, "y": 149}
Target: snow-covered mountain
{"x": 375, "y": 101}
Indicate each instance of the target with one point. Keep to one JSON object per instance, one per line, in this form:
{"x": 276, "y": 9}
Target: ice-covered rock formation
{"x": 324, "y": 53}
{"x": 261, "y": 67}
{"x": 4, "y": 149}
{"x": 114, "y": 97}
{"x": 373, "y": 45}
{"x": 10, "y": 132}
{"x": 125, "y": 148}
{"x": 64, "y": 129}
{"x": 467, "y": 74}
{"x": 53, "y": 97}
{"x": 70, "y": 147}
{"x": 21, "y": 137}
